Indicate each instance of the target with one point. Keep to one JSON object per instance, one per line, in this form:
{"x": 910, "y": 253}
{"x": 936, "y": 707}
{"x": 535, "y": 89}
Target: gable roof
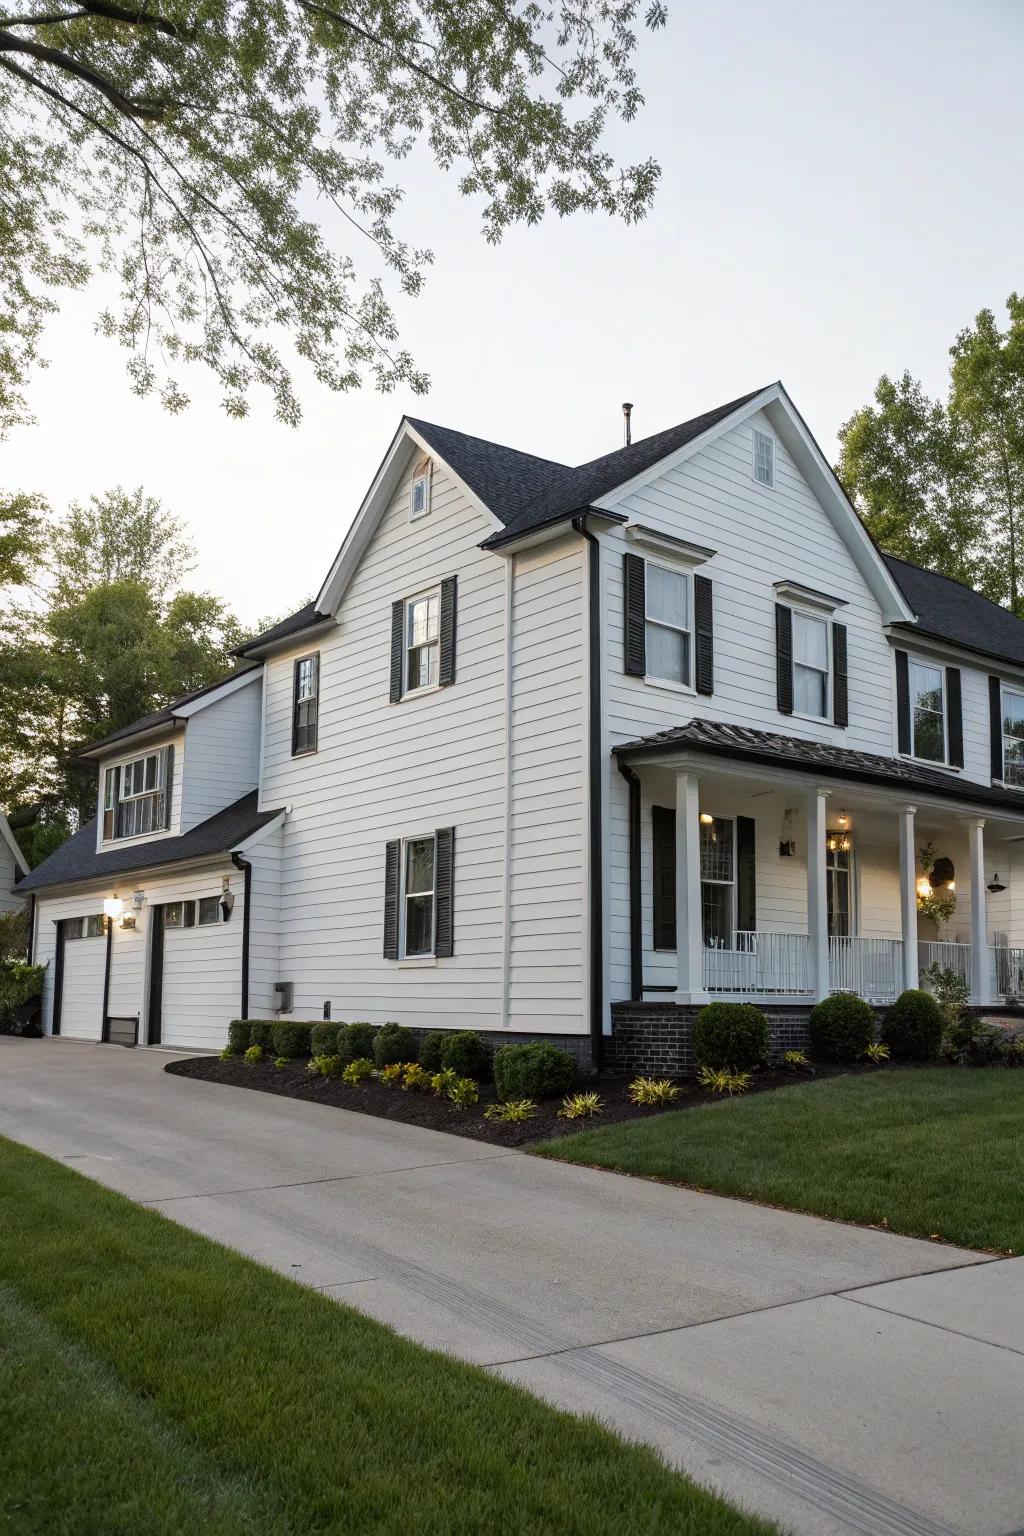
{"x": 947, "y": 610}
{"x": 307, "y": 617}
{"x": 167, "y": 715}
{"x": 77, "y": 860}
{"x": 506, "y": 479}
{"x": 8, "y": 837}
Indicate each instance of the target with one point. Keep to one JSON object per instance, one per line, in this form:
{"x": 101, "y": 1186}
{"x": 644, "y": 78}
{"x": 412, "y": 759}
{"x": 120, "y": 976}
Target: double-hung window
{"x": 133, "y": 796}
{"x": 764, "y": 458}
{"x": 1013, "y": 737}
{"x": 419, "y": 503}
{"x": 927, "y": 712}
{"x": 668, "y": 625}
{"x": 810, "y": 666}
{"x": 422, "y": 640}
{"x": 418, "y": 896}
{"x": 839, "y": 884}
{"x": 306, "y": 704}
{"x": 717, "y": 879}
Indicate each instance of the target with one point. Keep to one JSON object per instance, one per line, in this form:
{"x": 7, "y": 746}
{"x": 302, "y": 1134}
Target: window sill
{"x": 416, "y": 962}
{"x": 417, "y": 693}
{"x": 816, "y": 720}
{"x": 668, "y": 686}
{"x": 929, "y": 762}
{"x": 306, "y": 752}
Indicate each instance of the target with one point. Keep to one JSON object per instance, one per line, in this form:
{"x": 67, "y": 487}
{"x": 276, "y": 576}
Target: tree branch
{"x": 131, "y": 18}
{"x": 10, "y": 43}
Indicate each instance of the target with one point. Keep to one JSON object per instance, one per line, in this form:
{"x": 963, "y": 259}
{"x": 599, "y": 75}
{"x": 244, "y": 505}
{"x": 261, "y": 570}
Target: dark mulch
{"x": 375, "y": 1098}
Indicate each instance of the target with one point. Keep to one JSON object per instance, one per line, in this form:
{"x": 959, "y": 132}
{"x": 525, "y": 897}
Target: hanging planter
{"x": 936, "y": 896}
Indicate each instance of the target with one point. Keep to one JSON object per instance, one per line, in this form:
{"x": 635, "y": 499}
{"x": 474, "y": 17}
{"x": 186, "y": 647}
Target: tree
{"x": 179, "y": 147}
{"x": 21, "y": 537}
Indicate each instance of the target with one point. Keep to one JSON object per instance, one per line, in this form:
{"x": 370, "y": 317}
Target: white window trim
{"x": 807, "y": 612}
{"x": 119, "y": 766}
{"x": 1004, "y": 689}
{"x": 685, "y": 571}
{"x": 766, "y": 485}
{"x": 731, "y": 884}
{"x": 417, "y": 597}
{"x": 854, "y": 872}
{"x": 427, "y": 957}
{"x": 421, "y": 475}
{"x": 199, "y": 922}
{"x": 911, "y": 756}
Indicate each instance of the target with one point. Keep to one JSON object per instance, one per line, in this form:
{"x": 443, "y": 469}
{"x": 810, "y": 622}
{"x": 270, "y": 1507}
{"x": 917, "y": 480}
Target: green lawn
{"x": 930, "y": 1152}
{"x": 154, "y": 1382}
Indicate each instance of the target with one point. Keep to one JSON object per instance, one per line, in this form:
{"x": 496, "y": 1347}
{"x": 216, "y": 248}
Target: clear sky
{"x": 842, "y": 191}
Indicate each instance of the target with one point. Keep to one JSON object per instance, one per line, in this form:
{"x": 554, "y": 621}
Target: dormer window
{"x": 136, "y": 795}
{"x": 764, "y": 458}
{"x": 419, "y": 504}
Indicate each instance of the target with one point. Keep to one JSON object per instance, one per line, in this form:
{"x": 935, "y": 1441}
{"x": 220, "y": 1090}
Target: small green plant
{"x": 723, "y": 1080}
{"x": 512, "y": 1113}
{"x": 227, "y": 1054}
{"x": 324, "y": 1066}
{"x": 1011, "y": 1053}
{"x": 841, "y": 1027}
{"x": 877, "y": 1052}
{"x": 443, "y": 1080}
{"x": 463, "y": 1092}
{"x": 292, "y": 1038}
{"x": 281, "y": 1063}
{"x": 654, "y": 1091}
{"x": 416, "y": 1077}
{"x": 912, "y": 1027}
{"x": 357, "y": 1071}
{"x": 795, "y": 1059}
{"x": 394, "y": 1043}
{"x": 393, "y": 1073}
{"x": 431, "y": 1047}
{"x": 538, "y": 1070}
{"x": 466, "y": 1054}
{"x": 580, "y": 1106}
{"x": 314, "y": 1064}
{"x": 733, "y": 1035}
{"x": 254, "y": 1055}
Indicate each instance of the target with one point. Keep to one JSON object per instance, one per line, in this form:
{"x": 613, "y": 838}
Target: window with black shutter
{"x": 840, "y": 677}
{"x": 955, "y": 718}
{"x": 746, "y": 875}
{"x": 704, "y": 623}
{"x": 784, "y": 658}
{"x": 444, "y": 880}
{"x": 419, "y": 897}
{"x": 305, "y": 704}
{"x": 423, "y": 640}
{"x": 392, "y": 873}
{"x": 663, "y": 829}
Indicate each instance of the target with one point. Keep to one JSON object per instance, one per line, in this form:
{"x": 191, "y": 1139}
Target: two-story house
{"x": 566, "y": 752}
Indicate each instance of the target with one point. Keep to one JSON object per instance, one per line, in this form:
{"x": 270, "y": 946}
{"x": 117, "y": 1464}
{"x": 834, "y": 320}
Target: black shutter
{"x": 663, "y": 830}
{"x": 635, "y": 615}
{"x": 444, "y": 892}
{"x": 746, "y": 876}
{"x": 168, "y": 785}
{"x": 392, "y": 859}
{"x": 904, "y": 735}
{"x": 955, "y": 717}
{"x": 784, "y": 658}
{"x": 295, "y": 707}
{"x": 840, "y": 680}
{"x": 995, "y": 719}
{"x": 449, "y": 605}
{"x": 704, "y": 625}
{"x": 397, "y": 649}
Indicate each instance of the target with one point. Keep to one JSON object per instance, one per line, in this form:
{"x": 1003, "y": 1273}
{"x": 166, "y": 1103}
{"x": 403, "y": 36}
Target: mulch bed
{"x": 437, "y": 1114}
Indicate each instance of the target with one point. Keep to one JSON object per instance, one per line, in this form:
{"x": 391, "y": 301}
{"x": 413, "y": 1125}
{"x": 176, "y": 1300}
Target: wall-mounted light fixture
{"x": 706, "y": 819}
{"x": 113, "y": 906}
{"x": 844, "y": 820}
{"x": 227, "y": 898}
{"x": 787, "y": 842}
{"x": 995, "y": 885}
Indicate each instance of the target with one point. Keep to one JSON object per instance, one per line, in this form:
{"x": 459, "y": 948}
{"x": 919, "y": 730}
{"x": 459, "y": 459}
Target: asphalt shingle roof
{"x": 77, "y": 860}
{"x": 743, "y": 742}
{"x": 163, "y": 716}
{"x": 950, "y": 611}
{"x": 303, "y": 619}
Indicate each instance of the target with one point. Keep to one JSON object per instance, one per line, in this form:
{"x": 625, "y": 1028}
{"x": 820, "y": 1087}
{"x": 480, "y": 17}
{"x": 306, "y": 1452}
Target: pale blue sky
{"x": 841, "y": 192}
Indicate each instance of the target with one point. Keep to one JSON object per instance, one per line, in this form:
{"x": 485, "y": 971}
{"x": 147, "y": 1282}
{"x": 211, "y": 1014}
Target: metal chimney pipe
{"x": 627, "y": 412}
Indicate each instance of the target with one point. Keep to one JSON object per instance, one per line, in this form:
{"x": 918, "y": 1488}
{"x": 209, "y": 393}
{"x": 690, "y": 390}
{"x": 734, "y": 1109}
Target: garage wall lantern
{"x": 227, "y": 899}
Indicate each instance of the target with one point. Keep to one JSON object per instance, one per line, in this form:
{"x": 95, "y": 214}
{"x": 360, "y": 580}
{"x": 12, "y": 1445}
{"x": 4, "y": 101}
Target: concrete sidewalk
{"x": 835, "y": 1378}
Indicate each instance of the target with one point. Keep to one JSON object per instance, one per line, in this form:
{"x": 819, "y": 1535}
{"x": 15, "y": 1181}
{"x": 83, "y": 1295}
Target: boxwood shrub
{"x": 324, "y": 1039}
{"x": 291, "y": 1038}
{"x": 841, "y": 1027}
{"x": 538, "y": 1070}
{"x": 393, "y": 1042}
{"x": 261, "y": 1032}
{"x": 465, "y": 1053}
{"x": 355, "y": 1041}
{"x": 431, "y": 1047}
{"x": 733, "y": 1035}
{"x": 912, "y": 1027}
{"x": 238, "y": 1036}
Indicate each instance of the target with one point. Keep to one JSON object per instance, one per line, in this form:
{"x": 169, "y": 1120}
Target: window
{"x": 419, "y": 896}
{"x": 134, "y": 795}
{"x": 422, "y": 637}
{"x": 839, "y": 884}
{"x": 91, "y": 927}
{"x": 180, "y": 914}
{"x": 209, "y": 910}
{"x": 810, "y": 666}
{"x": 764, "y": 458}
{"x": 1013, "y": 738}
{"x": 928, "y": 738}
{"x": 305, "y": 707}
{"x": 717, "y": 879}
{"x": 668, "y": 627}
{"x": 419, "y": 504}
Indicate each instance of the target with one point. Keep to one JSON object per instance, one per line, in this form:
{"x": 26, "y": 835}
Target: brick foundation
{"x": 657, "y": 1038}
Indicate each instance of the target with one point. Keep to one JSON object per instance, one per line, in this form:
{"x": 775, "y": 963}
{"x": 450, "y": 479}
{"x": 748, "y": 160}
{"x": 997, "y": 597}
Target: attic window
{"x": 419, "y": 503}
{"x": 764, "y": 458}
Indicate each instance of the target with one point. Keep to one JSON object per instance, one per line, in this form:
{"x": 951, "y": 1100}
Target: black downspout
{"x": 31, "y": 927}
{"x": 246, "y": 868}
{"x": 636, "y": 939}
{"x": 596, "y": 797}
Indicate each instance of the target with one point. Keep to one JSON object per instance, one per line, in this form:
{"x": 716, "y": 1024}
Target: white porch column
{"x": 981, "y": 989}
{"x": 908, "y": 897}
{"x": 689, "y": 945}
{"x": 817, "y": 892}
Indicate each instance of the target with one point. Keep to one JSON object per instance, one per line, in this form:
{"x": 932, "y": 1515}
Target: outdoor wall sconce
{"x": 787, "y": 842}
{"x": 113, "y": 907}
{"x": 227, "y": 900}
{"x": 995, "y": 885}
{"x": 706, "y": 819}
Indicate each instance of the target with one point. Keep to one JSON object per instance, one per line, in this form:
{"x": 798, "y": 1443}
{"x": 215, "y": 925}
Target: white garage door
{"x": 202, "y": 974}
{"x": 85, "y": 963}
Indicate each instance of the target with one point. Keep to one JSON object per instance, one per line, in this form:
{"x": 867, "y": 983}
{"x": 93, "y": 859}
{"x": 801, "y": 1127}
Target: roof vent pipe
{"x": 627, "y": 412}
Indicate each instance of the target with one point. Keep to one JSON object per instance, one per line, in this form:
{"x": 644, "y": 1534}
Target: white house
{"x": 12, "y": 866}
{"x": 566, "y": 752}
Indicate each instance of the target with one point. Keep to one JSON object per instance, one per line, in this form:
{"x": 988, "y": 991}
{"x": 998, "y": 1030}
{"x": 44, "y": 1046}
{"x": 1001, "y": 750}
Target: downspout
{"x": 246, "y": 868}
{"x": 636, "y": 944}
{"x": 31, "y": 926}
{"x": 596, "y": 797}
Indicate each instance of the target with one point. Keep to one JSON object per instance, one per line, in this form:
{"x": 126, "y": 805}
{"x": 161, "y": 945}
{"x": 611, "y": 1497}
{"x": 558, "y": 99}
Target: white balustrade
{"x": 871, "y": 968}
{"x": 758, "y": 964}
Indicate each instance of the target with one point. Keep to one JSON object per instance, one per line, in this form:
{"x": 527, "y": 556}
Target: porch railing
{"x": 1008, "y": 966}
{"x": 759, "y": 964}
{"x": 872, "y": 968}
{"x": 947, "y": 956}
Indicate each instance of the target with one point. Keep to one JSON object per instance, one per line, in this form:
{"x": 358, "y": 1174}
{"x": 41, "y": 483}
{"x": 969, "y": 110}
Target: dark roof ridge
{"x": 474, "y": 437}
{"x": 639, "y": 443}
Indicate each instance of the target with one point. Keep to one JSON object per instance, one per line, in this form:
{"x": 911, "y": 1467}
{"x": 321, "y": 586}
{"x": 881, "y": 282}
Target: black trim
{"x": 154, "y": 1017}
{"x": 392, "y": 868}
{"x": 904, "y": 736}
{"x": 446, "y": 631}
{"x": 444, "y": 893}
{"x": 746, "y": 875}
{"x": 397, "y": 650}
{"x": 310, "y": 747}
{"x": 840, "y": 677}
{"x": 663, "y": 877}
{"x": 954, "y": 717}
{"x": 636, "y": 916}
{"x": 58, "y": 978}
{"x": 105, "y": 1022}
{"x": 634, "y": 628}
{"x": 995, "y": 726}
{"x": 597, "y": 773}
{"x": 31, "y": 946}
{"x": 784, "y": 659}
{"x": 704, "y": 634}
{"x": 246, "y": 868}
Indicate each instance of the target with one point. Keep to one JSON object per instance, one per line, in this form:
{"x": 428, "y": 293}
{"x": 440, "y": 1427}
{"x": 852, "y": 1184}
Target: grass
{"x": 931, "y": 1153}
{"x": 152, "y": 1382}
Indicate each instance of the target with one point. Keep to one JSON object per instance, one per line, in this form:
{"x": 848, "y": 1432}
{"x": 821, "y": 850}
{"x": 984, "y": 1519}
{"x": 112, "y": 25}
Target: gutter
{"x": 594, "y": 731}
{"x": 246, "y": 868}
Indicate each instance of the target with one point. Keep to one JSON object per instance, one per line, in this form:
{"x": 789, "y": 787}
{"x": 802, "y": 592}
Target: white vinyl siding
{"x": 218, "y": 760}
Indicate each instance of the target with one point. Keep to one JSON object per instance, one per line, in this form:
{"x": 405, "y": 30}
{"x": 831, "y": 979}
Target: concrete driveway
{"x": 837, "y": 1379}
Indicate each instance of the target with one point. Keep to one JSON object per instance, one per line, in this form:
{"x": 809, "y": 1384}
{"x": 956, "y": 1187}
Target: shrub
{"x": 21, "y": 989}
{"x": 315, "y": 1064}
{"x": 281, "y": 1063}
{"x": 463, "y": 1092}
{"x": 841, "y": 1027}
{"x": 291, "y": 1039}
{"x": 331, "y": 1067}
{"x": 466, "y": 1054}
{"x": 416, "y": 1077}
{"x": 323, "y": 1039}
{"x": 912, "y": 1027}
{"x": 393, "y": 1073}
{"x": 580, "y": 1106}
{"x": 442, "y": 1081}
{"x": 238, "y": 1036}
{"x": 653, "y": 1090}
{"x": 723, "y": 1080}
{"x": 355, "y": 1041}
{"x": 535, "y": 1071}
{"x": 430, "y": 1049}
{"x": 254, "y": 1055}
{"x": 227, "y": 1054}
{"x": 512, "y": 1113}
{"x": 730, "y": 1035}
{"x": 261, "y": 1032}
{"x": 358, "y": 1071}
{"x": 393, "y": 1042}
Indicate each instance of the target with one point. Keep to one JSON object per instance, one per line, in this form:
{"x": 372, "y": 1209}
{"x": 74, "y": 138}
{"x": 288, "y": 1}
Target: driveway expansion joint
{"x": 330, "y": 1178}
{"x": 927, "y": 1322}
